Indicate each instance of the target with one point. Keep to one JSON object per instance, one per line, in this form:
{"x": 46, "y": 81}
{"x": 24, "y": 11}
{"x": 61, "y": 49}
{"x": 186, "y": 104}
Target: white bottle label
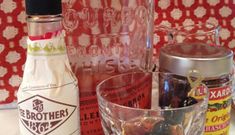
{"x": 48, "y": 95}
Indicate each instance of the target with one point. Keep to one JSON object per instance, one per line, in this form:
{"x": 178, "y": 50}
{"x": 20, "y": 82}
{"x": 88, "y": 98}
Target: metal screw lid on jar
{"x": 211, "y": 61}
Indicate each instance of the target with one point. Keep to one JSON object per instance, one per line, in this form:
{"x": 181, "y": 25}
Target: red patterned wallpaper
{"x": 173, "y": 13}
{"x": 12, "y": 48}
{"x": 167, "y": 12}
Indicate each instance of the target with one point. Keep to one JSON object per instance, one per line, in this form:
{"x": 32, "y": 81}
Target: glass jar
{"x": 215, "y": 64}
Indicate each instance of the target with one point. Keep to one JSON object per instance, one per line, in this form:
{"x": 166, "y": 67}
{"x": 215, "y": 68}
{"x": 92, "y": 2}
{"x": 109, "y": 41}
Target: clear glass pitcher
{"x": 104, "y": 38}
{"x": 205, "y": 33}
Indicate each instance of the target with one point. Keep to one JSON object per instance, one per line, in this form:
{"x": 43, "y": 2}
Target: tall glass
{"x": 104, "y": 38}
{"x": 129, "y": 104}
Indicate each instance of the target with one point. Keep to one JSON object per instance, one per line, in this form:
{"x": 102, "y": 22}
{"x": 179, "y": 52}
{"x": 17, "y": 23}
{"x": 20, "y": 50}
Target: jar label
{"x": 218, "y": 112}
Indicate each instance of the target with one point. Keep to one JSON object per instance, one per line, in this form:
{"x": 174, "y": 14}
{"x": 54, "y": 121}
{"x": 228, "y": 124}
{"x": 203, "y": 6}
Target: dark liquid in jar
{"x": 181, "y": 85}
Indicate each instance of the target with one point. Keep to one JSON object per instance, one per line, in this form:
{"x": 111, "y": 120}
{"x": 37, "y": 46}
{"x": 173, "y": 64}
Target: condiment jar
{"x": 215, "y": 64}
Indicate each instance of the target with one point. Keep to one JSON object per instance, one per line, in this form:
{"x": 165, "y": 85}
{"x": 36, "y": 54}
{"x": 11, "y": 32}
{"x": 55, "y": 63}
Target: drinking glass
{"x": 152, "y": 103}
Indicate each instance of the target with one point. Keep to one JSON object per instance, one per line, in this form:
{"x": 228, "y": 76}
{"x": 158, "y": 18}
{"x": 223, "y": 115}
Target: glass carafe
{"x": 205, "y": 33}
{"x": 104, "y": 38}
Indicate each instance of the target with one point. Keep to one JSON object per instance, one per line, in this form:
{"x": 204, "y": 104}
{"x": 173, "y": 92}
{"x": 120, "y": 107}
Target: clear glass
{"x": 40, "y": 25}
{"x": 144, "y": 103}
{"x": 105, "y": 38}
{"x": 201, "y": 33}
{"x": 206, "y": 33}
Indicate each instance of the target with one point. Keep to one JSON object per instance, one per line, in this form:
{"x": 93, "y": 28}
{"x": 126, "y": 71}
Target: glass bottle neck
{"x": 45, "y": 36}
{"x": 41, "y": 25}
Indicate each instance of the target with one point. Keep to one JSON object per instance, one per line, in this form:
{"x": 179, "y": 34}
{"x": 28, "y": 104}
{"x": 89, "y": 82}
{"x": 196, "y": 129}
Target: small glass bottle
{"x": 48, "y": 94}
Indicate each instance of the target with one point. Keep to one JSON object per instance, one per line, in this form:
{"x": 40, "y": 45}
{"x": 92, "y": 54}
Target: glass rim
{"x": 141, "y": 109}
{"x": 213, "y": 28}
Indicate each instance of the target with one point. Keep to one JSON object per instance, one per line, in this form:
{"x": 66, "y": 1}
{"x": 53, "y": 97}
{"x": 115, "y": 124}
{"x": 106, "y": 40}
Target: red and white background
{"x": 171, "y": 13}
